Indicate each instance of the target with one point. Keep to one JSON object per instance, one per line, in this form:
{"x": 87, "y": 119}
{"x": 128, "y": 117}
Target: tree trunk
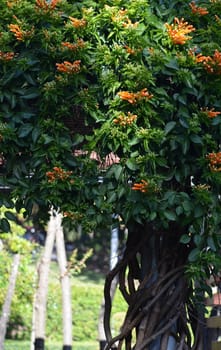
{"x": 8, "y": 299}
{"x": 114, "y": 247}
{"x": 161, "y": 314}
{"x": 40, "y": 306}
{"x": 65, "y": 285}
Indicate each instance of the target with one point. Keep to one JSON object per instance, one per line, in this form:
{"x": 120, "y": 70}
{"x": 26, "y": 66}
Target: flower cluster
{"x": 129, "y": 50}
{"x": 211, "y": 63}
{"x": 124, "y": 120}
{"x": 121, "y": 16}
{"x": 77, "y": 23}
{"x": 74, "y": 47}
{"x": 214, "y": 161}
{"x": 210, "y": 112}
{"x": 68, "y": 67}
{"x": 133, "y": 97}
{"x": 178, "y": 31}
{"x": 58, "y": 174}
{"x": 20, "y": 34}
{"x": 218, "y": 19}
{"x": 73, "y": 215}
{"x": 6, "y": 56}
{"x": 130, "y": 24}
{"x": 47, "y": 5}
{"x": 201, "y": 187}
{"x": 198, "y": 10}
{"x": 141, "y": 186}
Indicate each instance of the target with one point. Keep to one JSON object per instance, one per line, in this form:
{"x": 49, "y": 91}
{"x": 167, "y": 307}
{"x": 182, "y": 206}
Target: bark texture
{"x": 65, "y": 285}
{"x": 152, "y": 281}
{"x": 8, "y": 299}
{"x": 114, "y": 252}
{"x": 40, "y": 307}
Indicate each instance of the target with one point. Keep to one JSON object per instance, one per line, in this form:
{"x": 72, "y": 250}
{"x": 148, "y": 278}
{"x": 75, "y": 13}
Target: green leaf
{"x": 133, "y": 141}
{"x": 179, "y": 210}
{"x": 185, "y": 239}
{"x": 131, "y": 164}
{"x": 118, "y": 171}
{"x": 112, "y": 197}
{"x": 182, "y": 99}
{"x": 194, "y": 254}
{"x": 197, "y": 239}
{"x": 10, "y": 216}
{"x": 169, "y": 126}
{"x": 172, "y": 64}
{"x": 185, "y": 146}
{"x": 211, "y": 243}
{"x": 30, "y": 96}
{"x": 35, "y": 134}
{"x": 5, "y": 226}
{"x": 24, "y": 130}
{"x": 153, "y": 215}
{"x": 121, "y": 192}
{"x": 170, "y": 215}
{"x": 187, "y": 206}
{"x": 198, "y": 211}
{"x": 196, "y": 139}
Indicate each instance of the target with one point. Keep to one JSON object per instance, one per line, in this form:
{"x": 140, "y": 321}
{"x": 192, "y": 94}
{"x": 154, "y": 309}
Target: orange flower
{"x": 129, "y": 24}
{"x": 129, "y": 50}
{"x": 58, "y": 174}
{"x": 201, "y": 59}
{"x": 72, "y": 215}
{"x": 6, "y": 56}
{"x": 68, "y": 67}
{"x": 210, "y": 113}
{"x": 198, "y": 10}
{"x": 46, "y": 5}
{"x": 178, "y": 31}
{"x": 215, "y": 161}
{"x": 124, "y": 120}
{"x": 80, "y": 44}
{"x": 77, "y": 23}
{"x": 142, "y": 186}
{"x": 127, "y": 96}
{"x": 133, "y": 97}
{"x": 144, "y": 94}
{"x": 20, "y": 34}
{"x": 211, "y": 63}
{"x": 120, "y": 16}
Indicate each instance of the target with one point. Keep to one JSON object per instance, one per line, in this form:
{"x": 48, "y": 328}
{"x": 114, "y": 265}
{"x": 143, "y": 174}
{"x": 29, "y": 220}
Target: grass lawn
{"x": 25, "y": 345}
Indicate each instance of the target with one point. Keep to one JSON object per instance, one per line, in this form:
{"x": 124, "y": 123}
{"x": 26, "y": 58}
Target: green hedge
{"x": 87, "y": 296}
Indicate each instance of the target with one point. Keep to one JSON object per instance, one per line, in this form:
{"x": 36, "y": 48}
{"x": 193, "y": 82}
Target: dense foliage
{"x": 145, "y": 79}
{"x": 85, "y": 301}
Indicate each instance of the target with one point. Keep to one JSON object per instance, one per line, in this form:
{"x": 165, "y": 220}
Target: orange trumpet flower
{"x": 178, "y": 31}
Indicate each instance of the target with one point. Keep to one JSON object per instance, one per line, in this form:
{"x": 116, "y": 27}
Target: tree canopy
{"x": 114, "y": 108}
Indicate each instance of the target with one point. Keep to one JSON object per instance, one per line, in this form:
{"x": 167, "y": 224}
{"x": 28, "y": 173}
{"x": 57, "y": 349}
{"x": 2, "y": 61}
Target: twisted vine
{"x": 152, "y": 281}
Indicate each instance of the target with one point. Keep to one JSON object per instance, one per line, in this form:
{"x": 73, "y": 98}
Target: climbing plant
{"x": 114, "y": 108}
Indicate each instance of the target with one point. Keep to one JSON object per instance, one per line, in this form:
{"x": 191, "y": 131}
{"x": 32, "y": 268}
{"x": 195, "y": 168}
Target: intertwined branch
{"x": 152, "y": 280}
